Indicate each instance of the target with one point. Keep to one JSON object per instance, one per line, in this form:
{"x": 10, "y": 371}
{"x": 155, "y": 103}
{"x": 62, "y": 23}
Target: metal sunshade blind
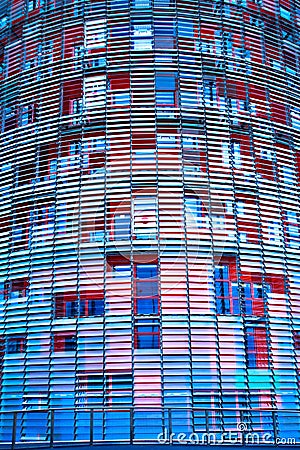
{"x": 149, "y": 217}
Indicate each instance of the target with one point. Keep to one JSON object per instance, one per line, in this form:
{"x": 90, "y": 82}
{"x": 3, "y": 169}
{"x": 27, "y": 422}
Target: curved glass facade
{"x": 150, "y": 214}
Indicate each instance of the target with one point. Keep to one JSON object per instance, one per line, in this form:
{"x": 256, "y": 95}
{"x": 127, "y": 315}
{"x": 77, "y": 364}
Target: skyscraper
{"x": 149, "y": 216}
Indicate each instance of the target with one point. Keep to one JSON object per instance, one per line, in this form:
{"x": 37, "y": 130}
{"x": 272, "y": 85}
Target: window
{"x": 66, "y": 304}
{"x": 91, "y": 382}
{"x": 236, "y": 154}
{"x": 289, "y": 176}
{"x": 164, "y": 35}
{"x": 146, "y": 334}
{"x": 17, "y": 288}
{"x": 72, "y": 98}
{"x": 206, "y": 400}
{"x": 76, "y": 108}
{"x": 185, "y": 28}
{"x": 240, "y": 208}
{"x": 261, "y": 406}
{"x": 121, "y": 99}
{"x": 143, "y": 146}
{"x": 194, "y": 211}
{"x": 54, "y": 4}
{"x": 291, "y": 223}
{"x": 290, "y": 63}
{"x": 95, "y": 33}
{"x": 78, "y": 8}
{"x": 93, "y": 229}
{"x": 121, "y": 271}
{"x": 71, "y": 309}
{"x": 78, "y": 54}
{"x": 47, "y": 54}
{"x": 29, "y": 64}
{"x": 285, "y": 13}
{"x": 20, "y": 234}
{"x": 166, "y": 86}
{"x": 142, "y": 36}
{"x": 163, "y": 3}
{"x": 90, "y": 389}
{"x": 297, "y": 339}
{"x": 91, "y": 304}
{"x": 78, "y": 51}
{"x": 167, "y": 144}
{"x": 63, "y": 219}
{"x": 274, "y": 232}
{"x": 143, "y": 210}
{"x": 232, "y": 154}
{"x": 4, "y": 228}
{"x": 145, "y": 217}
{"x": 119, "y": 33}
{"x": 190, "y": 93}
{"x": 146, "y": 289}
{"x": 119, "y": 86}
{"x": 227, "y": 296}
{"x": 70, "y": 159}
{"x": 235, "y": 402}
{"x": 122, "y": 226}
{"x": 295, "y": 118}
{"x": 256, "y": 347}
{"x": 64, "y": 342}
{"x": 95, "y": 151}
{"x": 253, "y": 295}
{"x": 35, "y": 4}
{"x": 226, "y": 153}
{"x": 191, "y": 151}
{"x": 266, "y": 153}
{"x": 3, "y": 22}
{"x": 20, "y": 227}
{"x": 25, "y": 172}
{"x": 15, "y": 344}
{"x": 38, "y": 400}
{"x": 235, "y": 94}
{"x": 95, "y": 95}
{"x": 210, "y": 93}
{"x": 119, "y": 389}
{"x": 10, "y": 117}
{"x": 228, "y": 45}
{"x": 118, "y": 4}
{"x": 28, "y": 114}
{"x": 42, "y": 220}
{"x": 219, "y": 222}
{"x": 207, "y": 46}
{"x": 47, "y": 163}
{"x": 248, "y": 300}
{"x": 140, "y": 4}
{"x": 145, "y": 154}
{"x": 120, "y": 221}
